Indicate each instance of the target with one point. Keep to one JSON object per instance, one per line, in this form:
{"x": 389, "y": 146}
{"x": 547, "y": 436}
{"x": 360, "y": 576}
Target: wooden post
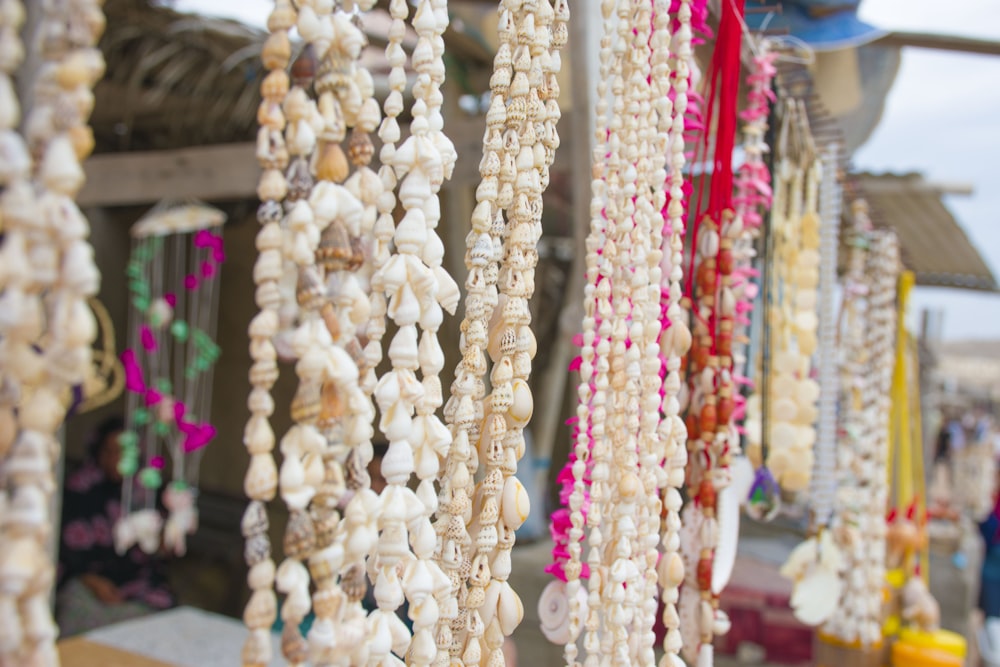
{"x": 583, "y": 60}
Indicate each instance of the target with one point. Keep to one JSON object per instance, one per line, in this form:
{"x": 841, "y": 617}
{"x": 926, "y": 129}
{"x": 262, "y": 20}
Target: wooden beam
{"x": 954, "y": 43}
{"x": 210, "y": 173}
{"x": 228, "y": 172}
{"x": 899, "y": 186}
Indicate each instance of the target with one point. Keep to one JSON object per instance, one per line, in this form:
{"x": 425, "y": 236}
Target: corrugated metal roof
{"x": 934, "y": 245}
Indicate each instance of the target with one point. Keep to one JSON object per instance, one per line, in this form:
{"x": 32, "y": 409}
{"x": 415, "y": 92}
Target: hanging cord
{"x": 824, "y": 484}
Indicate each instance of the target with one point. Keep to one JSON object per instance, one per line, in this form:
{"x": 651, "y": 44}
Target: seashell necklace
{"x": 674, "y": 345}
{"x": 303, "y": 445}
{"x": 44, "y": 300}
{"x": 815, "y": 566}
{"x": 261, "y": 479}
{"x": 711, "y": 430}
{"x": 500, "y": 503}
{"x": 789, "y": 393}
{"x": 417, "y": 291}
{"x": 343, "y": 206}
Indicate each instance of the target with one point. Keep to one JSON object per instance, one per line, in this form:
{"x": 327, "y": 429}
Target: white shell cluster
{"x": 47, "y": 273}
{"x": 417, "y": 291}
{"x": 866, "y": 376}
{"x": 261, "y": 478}
{"x": 793, "y": 395}
{"x": 630, "y": 443}
{"x": 476, "y": 523}
{"x": 674, "y": 343}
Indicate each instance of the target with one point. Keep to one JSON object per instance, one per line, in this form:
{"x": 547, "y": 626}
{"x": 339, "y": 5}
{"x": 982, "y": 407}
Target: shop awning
{"x": 934, "y": 245}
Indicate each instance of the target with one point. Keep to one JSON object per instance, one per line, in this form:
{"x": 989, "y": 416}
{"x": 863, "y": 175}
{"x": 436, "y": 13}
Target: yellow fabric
{"x": 901, "y": 443}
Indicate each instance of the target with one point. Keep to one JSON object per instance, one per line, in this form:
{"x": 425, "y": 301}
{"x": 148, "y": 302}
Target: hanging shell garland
{"x": 48, "y": 274}
{"x": 866, "y": 376}
{"x": 261, "y": 479}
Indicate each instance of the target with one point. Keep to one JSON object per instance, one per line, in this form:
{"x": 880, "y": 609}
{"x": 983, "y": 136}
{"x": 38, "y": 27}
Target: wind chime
{"x": 173, "y": 275}
{"x": 47, "y": 275}
{"x": 340, "y": 232}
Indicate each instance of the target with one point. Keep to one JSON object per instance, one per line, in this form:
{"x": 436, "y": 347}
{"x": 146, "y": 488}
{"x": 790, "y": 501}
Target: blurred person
{"x": 97, "y": 586}
{"x": 989, "y": 586}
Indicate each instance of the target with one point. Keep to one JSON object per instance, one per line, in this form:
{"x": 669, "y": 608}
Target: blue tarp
{"x": 825, "y": 25}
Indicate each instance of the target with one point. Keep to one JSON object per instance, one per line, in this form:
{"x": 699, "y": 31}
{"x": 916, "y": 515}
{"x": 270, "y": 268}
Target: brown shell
{"x": 300, "y": 536}
{"x": 335, "y": 251}
{"x": 360, "y": 148}
{"x": 325, "y": 521}
{"x": 304, "y": 67}
{"x": 331, "y": 164}
{"x": 310, "y": 292}
{"x": 257, "y": 549}
{"x": 357, "y": 472}
{"x": 321, "y": 572}
{"x": 327, "y": 602}
{"x": 254, "y": 520}
{"x": 354, "y": 583}
{"x": 300, "y": 180}
{"x": 331, "y": 406}
{"x": 293, "y": 645}
{"x": 306, "y": 404}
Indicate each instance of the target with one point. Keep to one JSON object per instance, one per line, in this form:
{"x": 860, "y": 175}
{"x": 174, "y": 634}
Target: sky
{"x": 942, "y": 119}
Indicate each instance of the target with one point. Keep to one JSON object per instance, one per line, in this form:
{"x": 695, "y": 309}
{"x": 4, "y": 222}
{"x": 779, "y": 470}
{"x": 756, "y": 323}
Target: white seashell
{"x": 11, "y": 633}
{"x": 816, "y": 596}
{"x": 15, "y": 162}
{"x": 510, "y": 611}
{"x": 79, "y": 272}
{"x": 515, "y": 504}
{"x": 261, "y": 575}
{"x": 60, "y": 170}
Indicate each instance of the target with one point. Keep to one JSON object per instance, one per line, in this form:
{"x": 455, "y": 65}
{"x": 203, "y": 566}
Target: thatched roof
{"x": 176, "y": 80}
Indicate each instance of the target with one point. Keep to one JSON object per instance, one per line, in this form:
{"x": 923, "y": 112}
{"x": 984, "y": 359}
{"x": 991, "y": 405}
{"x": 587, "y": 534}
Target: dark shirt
{"x": 91, "y": 507}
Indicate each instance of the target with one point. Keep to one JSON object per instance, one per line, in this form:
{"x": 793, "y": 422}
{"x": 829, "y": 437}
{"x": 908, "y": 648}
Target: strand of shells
{"x": 465, "y": 411}
{"x": 816, "y": 565}
{"x": 824, "y": 483}
{"x": 651, "y": 203}
{"x": 792, "y": 403}
{"x": 618, "y": 567}
{"x": 417, "y": 289}
{"x": 360, "y": 525}
{"x": 599, "y": 637}
{"x": 569, "y": 603}
{"x": 866, "y": 372}
{"x": 53, "y": 306}
{"x": 344, "y": 207}
{"x": 302, "y": 474}
{"x": 261, "y": 479}
{"x": 675, "y": 343}
{"x": 501, "y": 503}
{"x": 701, "y": 527}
